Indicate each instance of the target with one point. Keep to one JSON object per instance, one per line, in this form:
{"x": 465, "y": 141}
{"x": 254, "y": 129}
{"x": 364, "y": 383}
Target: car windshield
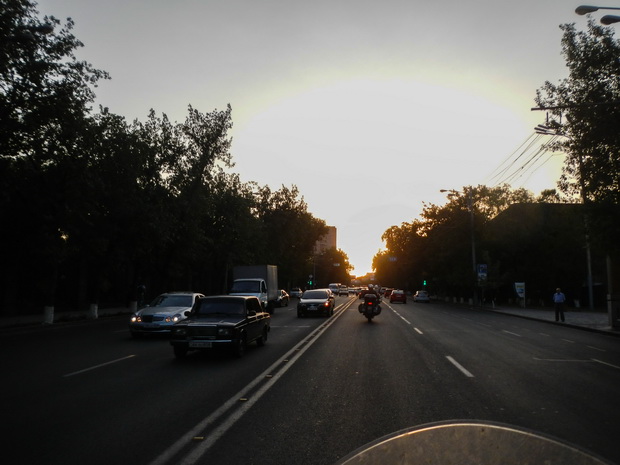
{"x": 168, "y": 300}
{"x": 315, "y": 295}
{"x": 246, "y": 286}
{"x": 220, "y": 307}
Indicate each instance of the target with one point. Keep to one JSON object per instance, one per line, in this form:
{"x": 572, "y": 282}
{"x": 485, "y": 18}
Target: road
{"x": 86, "y": 392}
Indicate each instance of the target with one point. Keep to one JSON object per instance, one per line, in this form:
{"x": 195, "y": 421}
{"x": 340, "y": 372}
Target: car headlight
{"x": 173, "y": 319}
{"x": 136, "y": 319}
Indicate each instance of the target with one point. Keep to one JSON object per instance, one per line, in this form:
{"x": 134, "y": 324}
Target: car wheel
{"x": 180, "y": 351}
{"x": 239, "y": 348}
{"x": 263, "y": 338}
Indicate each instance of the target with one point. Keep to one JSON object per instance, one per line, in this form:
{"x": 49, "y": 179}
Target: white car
{"x": 421, "y": 296}
{"x": 159, "y": 316}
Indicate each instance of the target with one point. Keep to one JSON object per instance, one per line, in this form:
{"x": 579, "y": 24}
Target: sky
{"x": 370, "y": 108}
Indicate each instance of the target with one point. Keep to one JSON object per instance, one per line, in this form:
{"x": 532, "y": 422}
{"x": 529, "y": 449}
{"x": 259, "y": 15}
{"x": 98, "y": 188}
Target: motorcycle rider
{"x": 370, "y": 290}
{"x": 369, "y": 294}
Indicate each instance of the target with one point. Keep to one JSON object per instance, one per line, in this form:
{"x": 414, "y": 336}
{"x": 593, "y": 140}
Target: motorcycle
{"x": 370, "y": 308}
{"x": 469, "y": 442}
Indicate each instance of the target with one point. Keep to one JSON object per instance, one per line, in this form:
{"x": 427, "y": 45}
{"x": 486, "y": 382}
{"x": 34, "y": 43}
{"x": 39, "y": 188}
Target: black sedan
{"x": 226, "y": 321}
{"x": 315, "y": 302}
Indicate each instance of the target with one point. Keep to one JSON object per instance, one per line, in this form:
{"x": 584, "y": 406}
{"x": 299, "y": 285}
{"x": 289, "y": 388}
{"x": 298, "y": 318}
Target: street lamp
{"x": 606, "y": 20}
{"x": 585, "y": 9}
{"x": 470, "y": 206}
{"x": 610, "y": 19}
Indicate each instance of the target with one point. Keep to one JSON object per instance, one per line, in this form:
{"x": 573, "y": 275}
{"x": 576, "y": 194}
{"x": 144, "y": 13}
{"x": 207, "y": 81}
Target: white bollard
{"x": 48, "y": 315}
{"x": 93, "y": 311}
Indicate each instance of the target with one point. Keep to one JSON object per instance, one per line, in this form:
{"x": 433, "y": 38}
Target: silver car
{"x": 159, "y": 316}
{"x": 421, "y": 296}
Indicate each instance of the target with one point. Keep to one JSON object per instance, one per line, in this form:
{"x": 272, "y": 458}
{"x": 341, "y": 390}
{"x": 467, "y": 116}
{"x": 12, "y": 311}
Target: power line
{"x": 533, "y": 151}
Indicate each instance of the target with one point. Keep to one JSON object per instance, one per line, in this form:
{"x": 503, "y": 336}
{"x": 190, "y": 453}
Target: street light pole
{"x": 547, "y": 131}
{"x": 470, "y": 207}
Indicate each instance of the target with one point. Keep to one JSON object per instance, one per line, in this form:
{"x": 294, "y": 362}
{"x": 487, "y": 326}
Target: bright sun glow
{"x": 395, "y": 143}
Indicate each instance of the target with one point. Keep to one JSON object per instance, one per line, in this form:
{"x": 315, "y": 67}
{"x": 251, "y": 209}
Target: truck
{"x": 257, "y": 280}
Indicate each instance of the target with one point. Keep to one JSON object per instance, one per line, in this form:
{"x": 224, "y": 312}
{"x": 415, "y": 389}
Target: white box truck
{"x": 258, "y": 280}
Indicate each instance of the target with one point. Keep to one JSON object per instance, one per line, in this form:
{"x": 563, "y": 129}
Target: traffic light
{"x": 310, "y": 283}
{"x": 424, "y": 282}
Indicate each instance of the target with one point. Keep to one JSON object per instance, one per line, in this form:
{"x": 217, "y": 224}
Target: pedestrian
{"x": 558, "y": 302}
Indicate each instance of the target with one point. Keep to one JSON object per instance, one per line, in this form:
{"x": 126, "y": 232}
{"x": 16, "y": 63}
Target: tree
{"x": 585, "y": 109}
{"x": 289, "y": 232}
{"x": 437, "y": 247}
{"x": 332, "y": 266}
{"x": 45, "y": 93}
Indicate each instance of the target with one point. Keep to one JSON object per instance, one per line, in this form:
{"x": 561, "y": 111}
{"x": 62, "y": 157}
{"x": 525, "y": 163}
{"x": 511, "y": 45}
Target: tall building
{"x": 326, "y": 242}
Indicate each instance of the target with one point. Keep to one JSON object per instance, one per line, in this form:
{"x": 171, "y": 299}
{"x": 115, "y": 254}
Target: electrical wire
{"x": 532, "y": 150}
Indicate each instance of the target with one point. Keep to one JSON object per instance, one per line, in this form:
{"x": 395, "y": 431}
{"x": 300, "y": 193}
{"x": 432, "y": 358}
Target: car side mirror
{"x": 187, "y": 313}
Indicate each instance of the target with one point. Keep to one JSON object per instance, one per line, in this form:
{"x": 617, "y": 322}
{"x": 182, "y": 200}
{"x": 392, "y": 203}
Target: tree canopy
{"x": 93, "y": 206}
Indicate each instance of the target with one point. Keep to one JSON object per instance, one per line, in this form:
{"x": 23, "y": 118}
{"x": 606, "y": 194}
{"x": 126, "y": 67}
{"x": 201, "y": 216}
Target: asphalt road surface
{"x": 320, "y": 388}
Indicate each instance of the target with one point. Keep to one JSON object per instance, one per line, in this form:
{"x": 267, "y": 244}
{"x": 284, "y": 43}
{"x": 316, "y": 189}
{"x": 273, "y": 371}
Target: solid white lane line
{"x": 97, "y": 366}
{"x": 196, "y": 453}
{"x": 510, "y": 332}
{"x": 605, "y": 363}
{"x": 460, "y": 367}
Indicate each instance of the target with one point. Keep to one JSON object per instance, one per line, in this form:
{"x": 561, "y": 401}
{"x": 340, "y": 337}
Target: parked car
{"x": 224, "y": 321}
{"x": 421, "y": 296}
{"x": 316, "y": 301}
{"x": 398, "y": 295}
{"x": 296, "y": 292}
{"x": 344, "y": 290}
{"x": 164, "y": 311}
{"x": 283, "y": 298}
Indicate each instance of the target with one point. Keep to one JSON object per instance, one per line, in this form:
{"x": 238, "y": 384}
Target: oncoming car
{"x": 223, "y": 321}
{"x": 316, "y": 301}
{"x": 164, "y": 311}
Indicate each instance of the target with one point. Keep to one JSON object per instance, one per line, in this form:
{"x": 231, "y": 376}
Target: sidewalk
{"x": 591, "y": 320}
{"x": 61, "y": 317}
